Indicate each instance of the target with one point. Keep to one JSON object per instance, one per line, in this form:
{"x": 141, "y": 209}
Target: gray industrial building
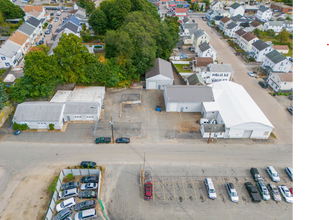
{"x": 160, "y": 75}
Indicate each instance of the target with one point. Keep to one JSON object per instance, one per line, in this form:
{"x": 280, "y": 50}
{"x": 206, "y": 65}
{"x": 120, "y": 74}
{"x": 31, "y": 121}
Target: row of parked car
{"x": 70, "y": 190}
{"x": 265, "y": 192}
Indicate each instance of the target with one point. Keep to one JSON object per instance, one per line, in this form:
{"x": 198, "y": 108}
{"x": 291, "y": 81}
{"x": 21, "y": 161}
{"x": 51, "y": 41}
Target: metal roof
{"x": 195, "y": 79}
{"x": 235, "y": 5}
{"x": 263, "y": 8}
{"x": 87, "y": 94}
{"x": 161, "y": 67}
{"x": 81, "y": 108}
{"x": 214, "y": 67}
{"x": 214, "y": 127}
{"x": 231, "y": 25}
{"x": 275, "y": 56}
{"x": 9, "y": 49}
{"x": 190, "y": 93}
{"x": 61, "y": 96}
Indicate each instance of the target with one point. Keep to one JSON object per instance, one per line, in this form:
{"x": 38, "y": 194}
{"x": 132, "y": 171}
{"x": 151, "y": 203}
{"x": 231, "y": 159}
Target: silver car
{"x": 289, "y": 171}
{"x": 274, "y": 192}
{"x": 263, "y": 190}
{"x": 232, "y": 193}
{"x": 88, "y": 186}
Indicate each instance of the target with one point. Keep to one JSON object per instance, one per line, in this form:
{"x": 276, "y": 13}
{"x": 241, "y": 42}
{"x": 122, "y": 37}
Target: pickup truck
{"x": 254, "y": 195}
{"x": 103, "y": 140}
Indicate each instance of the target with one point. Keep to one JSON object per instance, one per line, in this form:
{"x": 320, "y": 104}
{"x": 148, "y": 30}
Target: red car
{"x": 148, "y": 190}
{"x": 293, "y": 191}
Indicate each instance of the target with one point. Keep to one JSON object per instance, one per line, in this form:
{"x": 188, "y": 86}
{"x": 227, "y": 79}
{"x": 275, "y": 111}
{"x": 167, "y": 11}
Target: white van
{"x": 58, "y": 13}
{"x": 210, "y": 188}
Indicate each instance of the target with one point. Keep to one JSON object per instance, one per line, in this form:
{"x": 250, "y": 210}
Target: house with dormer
{"x": 276, "y": 62}
{"x": 264, "y": 14}
{"x": 231, "y": 28}
{"x": 237, "y": 36}
{"x": 246, "y": 41}
{"x": 199, "y": 37}
{"x": 223, "y": 23}
{"x": 206, "y": 50}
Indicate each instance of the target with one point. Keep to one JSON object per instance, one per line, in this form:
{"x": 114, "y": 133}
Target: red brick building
{"x": 281, "y": 7}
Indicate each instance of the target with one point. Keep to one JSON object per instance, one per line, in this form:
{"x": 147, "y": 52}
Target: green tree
{"x": 283, "y": 36}
{"x": 3, "y": 95}
{"x": 102, "y": 73}
{"x": 89, "y": 5}
{"x": 201, "y": 8}
{"x": 98, "y": 21}
{"x": 207, "y": 2}
{"x": 116, "y": 12}
{"x": 10, "y": 11}
{"x": 270, "y": 33}
{"x": 288, "y": 19}
{"x": 257, "y": 32}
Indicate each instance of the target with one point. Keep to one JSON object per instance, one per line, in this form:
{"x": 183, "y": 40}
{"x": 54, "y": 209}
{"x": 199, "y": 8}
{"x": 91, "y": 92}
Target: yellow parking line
{"x": 221, "y": 180}
{"x": 153, "y": 189}
{"x": 184, "y": 189}
{"x": 164, "y": 194}
{"x": 194, "y": 190}
{"x": 230, "y": 179}
{"x": 173, "y": 186}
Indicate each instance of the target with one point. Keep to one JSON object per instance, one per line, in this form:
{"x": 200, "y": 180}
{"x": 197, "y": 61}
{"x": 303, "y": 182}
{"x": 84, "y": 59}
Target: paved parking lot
{"x": 180, "y": 193}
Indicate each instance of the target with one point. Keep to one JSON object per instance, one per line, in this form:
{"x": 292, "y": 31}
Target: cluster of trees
{"x": 3, "y": 95}
{"x": 89, "y": 5}
{"x": 70, "y": 63}
{"x": 286, "y": 2}
{"x": 9, "y": 10}
{"x": 282, "y": 37}
{"x": 134, "y": 35}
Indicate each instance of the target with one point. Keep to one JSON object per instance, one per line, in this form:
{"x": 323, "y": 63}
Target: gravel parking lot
{"x": 180, "y": 193}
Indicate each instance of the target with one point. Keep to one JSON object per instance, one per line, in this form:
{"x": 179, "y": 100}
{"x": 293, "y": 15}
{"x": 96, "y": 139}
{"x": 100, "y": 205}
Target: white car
{"x": 286, "y": 193}
{"x": 273, "y": 174}
{"x": 86, "y": 214}
{"x": 88, "y": 186}
{"x": 24, "y": 1}
{"x": 289, "y": 171}
{"x": 263, "y": 190}
{"x": 210, "y": 188}
{"x": 65, "y": 204}
{"x": 68, "y": 193}
{"x": 232, "y": 193}
{"x": 251, "y": 74}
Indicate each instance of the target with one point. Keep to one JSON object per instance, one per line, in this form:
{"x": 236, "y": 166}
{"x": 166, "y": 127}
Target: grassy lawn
{"x": 2, "y": 71}
{"x": 181, "y": 69}
{"x": 289, "y": 54}
{"x": 99, "y": 54}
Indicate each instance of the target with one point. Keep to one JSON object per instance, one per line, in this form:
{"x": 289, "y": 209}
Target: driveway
{"x": 278, "y": 116}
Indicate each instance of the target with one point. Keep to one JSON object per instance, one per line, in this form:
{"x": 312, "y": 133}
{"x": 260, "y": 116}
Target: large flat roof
{"x": 87, "y": 94}
{"x": 61, "y": 96}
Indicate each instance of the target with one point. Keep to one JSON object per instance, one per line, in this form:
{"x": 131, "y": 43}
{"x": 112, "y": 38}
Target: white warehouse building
{"x": 237, "y": 110}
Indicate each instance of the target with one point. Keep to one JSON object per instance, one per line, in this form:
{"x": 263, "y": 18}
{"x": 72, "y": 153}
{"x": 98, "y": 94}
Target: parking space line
{"x": 184, "y": 189}
{"x": 221, "y": 180}
{"x": 153, "y": 188}
{"x": 164, "y": 194}
{"x": 173, "y": 186}
{"x": 194, "y": 189}
{"x": 230, "y": 179}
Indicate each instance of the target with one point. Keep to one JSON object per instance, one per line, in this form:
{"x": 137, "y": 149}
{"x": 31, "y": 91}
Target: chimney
{"x": 221, "y": 63}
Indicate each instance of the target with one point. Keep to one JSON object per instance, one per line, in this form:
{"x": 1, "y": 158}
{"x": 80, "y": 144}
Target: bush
{"x": 69, "y": 176}
{"x": 52, "y": 187}
{"x": 51, "y": 126}
{"x": 86, "y": 38}
{"x": 101, "y": 168}
{"x": 21, "y": 127}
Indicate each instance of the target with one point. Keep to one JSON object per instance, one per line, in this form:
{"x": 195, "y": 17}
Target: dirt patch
{"x": 201, "y": 198}
{"x": 186, "y": 127}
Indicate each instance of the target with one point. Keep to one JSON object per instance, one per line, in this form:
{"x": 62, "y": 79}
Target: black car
{"x": 255, "y": 174}
{"x": 85, "y": 205}
{"x": 123, "y": 140}
{"x": 290, "y": 109}
{"x": 41, "y": 42}
{"x": 89, "y": 179}
{"x": 254, "y": 195}
{"x": 51, "y": 14}
{"x": 262, "y": 84}
{"x": 17, "y": 132}
{"x": 87, "y": 194}
{"x": 70, "y": 185}
{"x": 88, "y": 164}
{"x": 63, "y": 214}
{"x": 290, "y": 97}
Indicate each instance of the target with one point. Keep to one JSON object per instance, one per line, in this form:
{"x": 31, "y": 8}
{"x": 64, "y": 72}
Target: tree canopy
{"x": 9, "y": 10}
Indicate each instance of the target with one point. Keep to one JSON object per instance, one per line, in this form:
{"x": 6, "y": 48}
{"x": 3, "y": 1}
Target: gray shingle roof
{"x": 33, "y": 21}
{"x": 38, "y": 111}
{"x": 26, "y": 28}
{"x": 195, "y": 79}
{"x": 263, "y": 8}
{"x": 235, "y": 5}
{"x": 198, "y": 33}
{"x": 231, "y": 25}
{"x": 260, "y": 45}
{"x": 161, "y": 67}
{"x": 275, "y": 56}
{"x": 72, "y": 27}
{"x": 226, "y": 67}
{"x": 9, "y": 49}
{"x": 190, "y": 25}
{"x": 186, "y": 19}
{"x": 190, "y": 93}
{"x": 275, "y": 23}
{"x": 204, "y": 46}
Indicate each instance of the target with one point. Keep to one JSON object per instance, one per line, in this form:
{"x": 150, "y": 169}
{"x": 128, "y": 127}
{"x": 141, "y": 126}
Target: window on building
{"x": 77, "y": 116}
{"x": 3, "y": 58}
{"x": 266, "y": 133}
{"x": 89, "y": 116}
{"x": 7, "y": 64}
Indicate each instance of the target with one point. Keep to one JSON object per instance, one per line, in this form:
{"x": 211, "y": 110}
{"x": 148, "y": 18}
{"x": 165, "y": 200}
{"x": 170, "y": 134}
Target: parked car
{"x": 190, "y": 11}
{"x": 274, "y": 192}
{"x": 24, "y": 1}
{"x": 88, "y": 186}
{"x": 68, "y": 193}
{"x": 70, "y": 185}
{"x": 203, "y": 18}
{"x": 17, "y": 132}
{"x": 232, "y": 193}
{"x": 193, "y": 20}
{"x": 262, "y": 84}
{"x": 263, "y": 190}
{"x": 58, "y": 13}
{"x": 250, "y": 73}
{"x": 183, "y": 56}
{"x": 289, "y": 109}
{"x": 210, "y": 188}
{"x": 255, "y": 174}
{"x": 254, "y": 196}
{"x": 65, "y": 204}
{"x": 103, "y": 140}
{"x": 89, "y": 204}
{"x": 286, "y": 193}
{"x": 87, "y": 194}
{"x": 273, "y": 174}
{"x": 50, "y": 27}
{"x": 289, "y": 171}
{"x": 88, "y": 164}
{"x": 86, "y": 214}
{"x": 148, "y": 190}
{"x": 63, "y": 214}
{"x": 41, "y": 42}
{"x": 291, "y": 191}
{"x": 123, "y": 140}
{"x": 56, "y": 19}
{"x": 89, "y": 179}
{"x": 290, "y": 97}
{"x": 52, "y": 14}
{"x": 64, "y": 18}
{"x": 47, "y": 31}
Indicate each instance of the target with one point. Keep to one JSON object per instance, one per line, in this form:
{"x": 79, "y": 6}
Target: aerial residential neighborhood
{"x": 146, "y": 109}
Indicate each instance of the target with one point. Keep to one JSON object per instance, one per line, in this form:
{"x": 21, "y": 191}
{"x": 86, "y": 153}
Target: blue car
{"x": 17, "y": 132}
{"x": 183, "y": 56}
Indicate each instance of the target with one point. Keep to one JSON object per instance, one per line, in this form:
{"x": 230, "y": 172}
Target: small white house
{"x": 10, "y": 54}
{"x": 230, "y": 30}
{"x": 264, "y": 14}
{"x": 236, "y": 9}
{"x": 238, "y": 35}
{"x": 224, "y": 13}
{"x": 206, "y": 50}
{"x": 160, "y": 75}
{"x": 281, "y": 82}
{"x": 216, "y": 72}
{"x": 276, "y": 62}
{"x": 259, "y": 49}
{"x": 277, "y": 26}
{"x": 200, "y": 37}
{"x": 216, "y": 5}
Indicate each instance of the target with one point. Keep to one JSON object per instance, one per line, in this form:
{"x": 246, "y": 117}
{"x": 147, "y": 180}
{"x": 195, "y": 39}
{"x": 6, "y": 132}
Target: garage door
{"x": 172, "y": 107}
{"x": 247, "y": 134}
{"x": 152, "y": 85}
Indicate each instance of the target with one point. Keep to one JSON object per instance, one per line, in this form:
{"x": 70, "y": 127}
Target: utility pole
{"x": 212, "y": 125}
{"x": 111, "y": 122}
